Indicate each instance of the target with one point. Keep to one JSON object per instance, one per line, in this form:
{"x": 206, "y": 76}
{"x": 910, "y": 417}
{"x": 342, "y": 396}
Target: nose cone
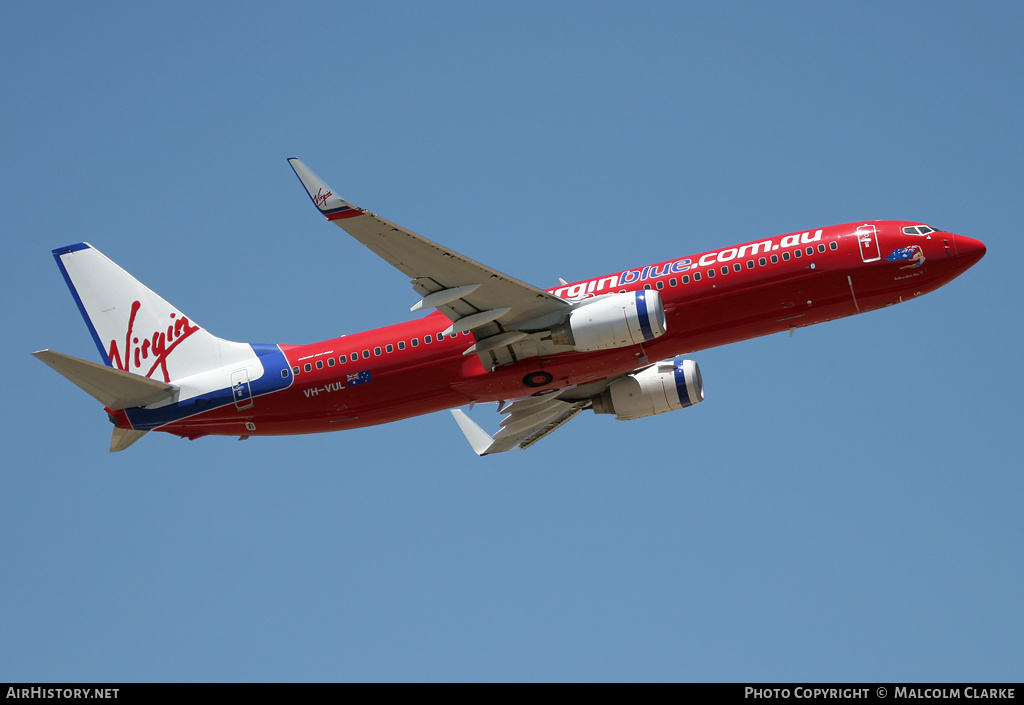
{"x": 968, "y": 249}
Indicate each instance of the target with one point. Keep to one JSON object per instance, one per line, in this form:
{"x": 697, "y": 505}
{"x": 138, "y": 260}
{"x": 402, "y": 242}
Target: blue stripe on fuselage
{"x": 273, "y": 361}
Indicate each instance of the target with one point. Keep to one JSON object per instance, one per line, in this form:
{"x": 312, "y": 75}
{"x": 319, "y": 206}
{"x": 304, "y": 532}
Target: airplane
{"x": 612, "y": 344}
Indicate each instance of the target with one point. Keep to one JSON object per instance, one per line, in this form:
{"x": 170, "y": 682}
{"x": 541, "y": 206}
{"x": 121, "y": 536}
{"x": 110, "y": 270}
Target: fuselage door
{"x": 241, "y": 392}
{"x": 867, "y": 237}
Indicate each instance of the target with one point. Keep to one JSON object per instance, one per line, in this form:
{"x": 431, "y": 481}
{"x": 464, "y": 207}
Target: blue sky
{"x": 845, "y": 505}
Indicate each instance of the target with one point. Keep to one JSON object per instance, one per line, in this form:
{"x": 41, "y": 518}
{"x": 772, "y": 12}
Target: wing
{"x": 528, "y": 421}
{"x": 509, "y": 318}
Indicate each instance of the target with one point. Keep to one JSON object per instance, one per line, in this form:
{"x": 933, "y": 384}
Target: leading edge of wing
{"x": 435, "y": 268}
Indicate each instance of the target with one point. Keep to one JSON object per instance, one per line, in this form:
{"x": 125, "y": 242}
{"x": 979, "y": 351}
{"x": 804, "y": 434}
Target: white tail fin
{"x": 161, "y": 367}
{"x": 134, "y": 328}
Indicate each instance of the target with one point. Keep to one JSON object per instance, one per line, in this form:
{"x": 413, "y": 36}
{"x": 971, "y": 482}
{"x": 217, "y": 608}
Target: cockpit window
{"x": 918, "y": 230}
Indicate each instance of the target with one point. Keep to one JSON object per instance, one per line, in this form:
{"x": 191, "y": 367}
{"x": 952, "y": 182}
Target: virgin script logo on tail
{"x": 155, "y": 347}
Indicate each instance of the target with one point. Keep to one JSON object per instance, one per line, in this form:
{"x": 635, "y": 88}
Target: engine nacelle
{"x": 613, "y": 321}
{"x": 666, "y": 386}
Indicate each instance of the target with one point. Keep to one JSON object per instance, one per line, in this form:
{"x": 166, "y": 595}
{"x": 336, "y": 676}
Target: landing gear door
{"x": 241, "y": 392}
{"x": 867, "y": 237}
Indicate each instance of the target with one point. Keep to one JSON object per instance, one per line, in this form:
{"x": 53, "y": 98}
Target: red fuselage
{"x": 710, "y": 299}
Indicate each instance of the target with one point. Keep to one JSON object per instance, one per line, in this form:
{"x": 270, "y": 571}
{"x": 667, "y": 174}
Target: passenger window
{"x": 284, "y": 374}
{"x": 725, "y": 269}
{"x": 366, "y": 354}
{"x": 821, "y": 247}
{"x": 673, "y": 282}
{"x": 376, "y": 351}
{"x": 696, "y": 276}
{"x": 775, "y": 259}
{"x": 711, "y": 273}
{"x": 330, "y": 362}
{"x": 427, "y": 339}
{"x": 750, "y": 264}
{"x": 401, "y": 345}
{"x": 686, "y": 279}
{"x": 307, "y": 367}
{"x": 342, "y": 359}
{"x": 833, "y": 245}
{"x": 798, "y": 253}
{"x": 295, "y": 370}
{"x": 390, "y": 348}
{"x": 415, "y": 342}
{"x": 319, "y": 364}
{"x": 440, "y": 337}
{"x": 762, "y": 261}
{"x": 661, "y": 285}
{"x": 785, "y": 256}
{"x": 647, "y": 287}
{"x": 737, "y": 267}
{"x": 810, "y": 250}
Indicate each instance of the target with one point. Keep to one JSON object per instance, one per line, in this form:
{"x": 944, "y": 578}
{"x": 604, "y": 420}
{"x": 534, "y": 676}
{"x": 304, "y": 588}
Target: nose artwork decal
{"x": 913, "y": 254}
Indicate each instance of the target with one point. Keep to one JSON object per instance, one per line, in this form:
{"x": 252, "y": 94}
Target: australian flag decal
{"x": 359, "y": 378}
{"x": 912, "y": 254}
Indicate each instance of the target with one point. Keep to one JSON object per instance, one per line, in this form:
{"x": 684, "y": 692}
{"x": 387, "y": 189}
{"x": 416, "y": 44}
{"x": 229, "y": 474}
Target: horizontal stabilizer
{"x": 115, "y": 389}
{"x": 124, "y": 437}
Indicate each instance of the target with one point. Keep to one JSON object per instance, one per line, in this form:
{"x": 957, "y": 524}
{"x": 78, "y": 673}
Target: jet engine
{"x": 612, "y": 321}
{"x": 665, "y": 386}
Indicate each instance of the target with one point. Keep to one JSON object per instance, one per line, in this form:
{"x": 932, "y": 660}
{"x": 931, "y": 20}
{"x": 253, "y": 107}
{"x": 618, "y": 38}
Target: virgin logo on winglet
{"x": 155, "y": 347}
{"x": 320, "y": 199}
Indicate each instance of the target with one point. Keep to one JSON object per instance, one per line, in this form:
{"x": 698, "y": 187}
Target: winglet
{"x": 322, "y": 194}
{"x": 476, "y": 436}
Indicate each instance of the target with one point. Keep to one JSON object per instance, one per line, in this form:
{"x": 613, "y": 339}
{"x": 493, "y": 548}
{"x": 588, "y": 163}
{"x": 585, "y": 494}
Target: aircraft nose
{"x": 968, "y": 248}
